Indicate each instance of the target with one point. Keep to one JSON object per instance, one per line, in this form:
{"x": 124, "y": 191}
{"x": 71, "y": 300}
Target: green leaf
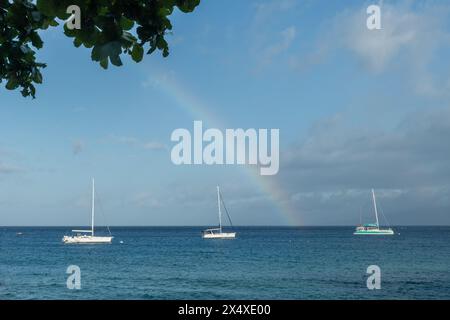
{"x": 37, "y": 76}
{"x": 12, "y": 84}
{"x": 164, "y": 11}
{"x": 115, "y": 60}
{"x": 126, "y": 24}
{"x": 161, "y": 43}
{"x": 32, "y": 91}
{"x": 104, "y": 63}
{"x": 137, "y": 53}
{"x": 36, "y": 41}
{"x": 46, "y": 7}
{"x": 77, "y": 42}
{"x": 187, "y": 6}
{"x": 128, "y": 37}
{"x": 111, "y": 49}
{"x": 54, "y": 23}
{"x": 95, "y": 53}
{"x": 152, "y": 49}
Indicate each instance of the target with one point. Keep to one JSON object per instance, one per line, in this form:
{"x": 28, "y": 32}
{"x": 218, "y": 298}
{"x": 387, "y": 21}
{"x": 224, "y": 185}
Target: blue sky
{"x": 356, "y": 109}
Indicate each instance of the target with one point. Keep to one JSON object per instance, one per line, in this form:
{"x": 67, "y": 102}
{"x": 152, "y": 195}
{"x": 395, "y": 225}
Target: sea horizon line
{"x": 208, "y": 226}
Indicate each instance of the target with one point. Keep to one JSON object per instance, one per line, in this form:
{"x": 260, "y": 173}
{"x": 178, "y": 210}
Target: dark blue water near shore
{"x": 262, "y": 263}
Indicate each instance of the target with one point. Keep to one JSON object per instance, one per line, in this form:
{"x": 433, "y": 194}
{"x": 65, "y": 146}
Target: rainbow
{"x": 199, "y": 110}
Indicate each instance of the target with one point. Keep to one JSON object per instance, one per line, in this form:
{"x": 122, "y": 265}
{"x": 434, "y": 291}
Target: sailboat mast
{"x": 220, "y": 211}
{"x": 93, "y": 206}
{"x": 375, "y": 206}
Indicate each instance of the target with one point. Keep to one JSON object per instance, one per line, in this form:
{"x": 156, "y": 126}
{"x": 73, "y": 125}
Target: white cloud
{"x": 267, "y": 38}
{"x": 287, "y": 36}
{"x": 264, "y": 11}
{"x": 410, "y": 40}
{"x": 401, "y": 29}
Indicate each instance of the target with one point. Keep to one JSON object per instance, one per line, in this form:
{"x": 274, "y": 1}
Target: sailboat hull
{"x": 220, "y": 235}
{"x": 388, "y": 232}
{"x": 86, "y": 240}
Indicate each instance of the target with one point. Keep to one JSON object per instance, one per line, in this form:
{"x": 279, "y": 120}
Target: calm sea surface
{"x": 262, "y": 263}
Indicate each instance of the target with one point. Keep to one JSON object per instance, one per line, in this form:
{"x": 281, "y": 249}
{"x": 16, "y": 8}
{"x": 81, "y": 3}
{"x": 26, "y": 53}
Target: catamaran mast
{"x": 220, "y": 211}
{"x": 93, "y": 206}
{"x": 375, "y": 206}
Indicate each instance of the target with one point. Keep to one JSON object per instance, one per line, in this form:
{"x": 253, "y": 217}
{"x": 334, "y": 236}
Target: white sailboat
{"x": 373, "y": 228}
{"x": 217, "y": 233}
{"x": 87, "y": 236}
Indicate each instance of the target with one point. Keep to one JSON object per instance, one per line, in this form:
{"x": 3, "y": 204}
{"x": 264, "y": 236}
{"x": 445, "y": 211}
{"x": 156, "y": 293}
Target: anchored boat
{"x": 373, "y": 228}
{"x": 217, "y": 233}
{"x": 88, "y": 236}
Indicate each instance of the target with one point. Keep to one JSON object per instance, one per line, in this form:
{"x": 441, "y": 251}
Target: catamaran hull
{"x": 375, "y": 233}
{"x": 87, "y": 240}
{"x": 224, "y": 235}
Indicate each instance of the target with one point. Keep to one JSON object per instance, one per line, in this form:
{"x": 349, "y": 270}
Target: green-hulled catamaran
{"x": 373, "y": 228}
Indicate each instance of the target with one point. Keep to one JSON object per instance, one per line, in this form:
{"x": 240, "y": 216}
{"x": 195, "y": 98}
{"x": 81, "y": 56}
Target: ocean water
{"x": 262, "y": 263}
